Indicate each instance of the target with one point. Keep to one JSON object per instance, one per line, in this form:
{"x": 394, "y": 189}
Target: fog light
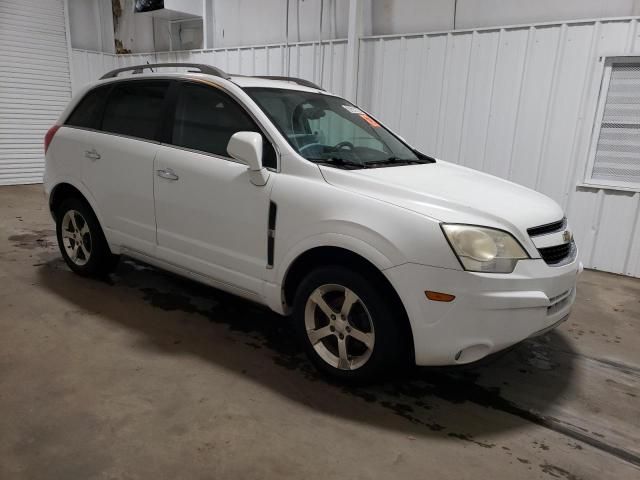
{"x": 439, "y": 297}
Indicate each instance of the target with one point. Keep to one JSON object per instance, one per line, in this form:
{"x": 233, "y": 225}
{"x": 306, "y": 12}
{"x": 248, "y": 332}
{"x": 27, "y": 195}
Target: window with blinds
{"x": 616, "y": 160}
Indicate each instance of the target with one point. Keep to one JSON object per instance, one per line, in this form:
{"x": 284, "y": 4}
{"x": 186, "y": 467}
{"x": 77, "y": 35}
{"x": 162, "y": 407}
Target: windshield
{"x": 330, "y": 130}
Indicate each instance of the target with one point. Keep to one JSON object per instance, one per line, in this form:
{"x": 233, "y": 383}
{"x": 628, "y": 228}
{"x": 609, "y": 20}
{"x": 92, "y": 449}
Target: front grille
{"x": 557, "y": 253}
{"x": 548, "y": 228}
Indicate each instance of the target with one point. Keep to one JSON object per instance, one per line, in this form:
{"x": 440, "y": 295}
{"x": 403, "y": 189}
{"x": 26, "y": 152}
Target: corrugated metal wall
{"x": 34, "y": 84}
{"x": 517, "y": 102}
{"x": 322, "y": 63}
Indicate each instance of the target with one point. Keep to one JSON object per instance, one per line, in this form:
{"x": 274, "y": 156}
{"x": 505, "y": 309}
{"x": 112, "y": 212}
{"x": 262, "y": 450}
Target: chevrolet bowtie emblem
{"x": 567, "y": 236}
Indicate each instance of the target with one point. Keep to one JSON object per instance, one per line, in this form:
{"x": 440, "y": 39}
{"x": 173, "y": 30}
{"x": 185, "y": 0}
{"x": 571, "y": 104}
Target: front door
{"x": 210, "y": 218}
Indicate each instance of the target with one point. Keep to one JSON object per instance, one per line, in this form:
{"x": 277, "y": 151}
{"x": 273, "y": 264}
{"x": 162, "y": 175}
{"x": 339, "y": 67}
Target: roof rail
{"x": 207, "y": 69}
{"x": 299, "y": 81}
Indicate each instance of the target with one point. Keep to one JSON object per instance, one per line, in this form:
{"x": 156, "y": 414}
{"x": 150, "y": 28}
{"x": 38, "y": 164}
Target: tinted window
{"x": 206, "y": 118}
{"x": 86, "y": 114}
{"x": 135, "y": 109}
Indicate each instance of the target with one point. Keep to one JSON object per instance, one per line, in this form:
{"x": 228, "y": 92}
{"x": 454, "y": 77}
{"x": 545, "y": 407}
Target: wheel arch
{"x": 63, "y": 190}
{"x": 332, "y": 255}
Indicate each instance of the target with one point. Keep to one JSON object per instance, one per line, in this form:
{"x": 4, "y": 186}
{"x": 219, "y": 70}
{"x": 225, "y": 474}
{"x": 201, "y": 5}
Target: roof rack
{"x": 207, "y": 69}
{"x": 299, "y": 81}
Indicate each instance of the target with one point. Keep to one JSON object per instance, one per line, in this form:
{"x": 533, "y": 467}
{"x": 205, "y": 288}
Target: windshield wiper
{"x": 338, "y": 162}
{"x": 397, "y": 161}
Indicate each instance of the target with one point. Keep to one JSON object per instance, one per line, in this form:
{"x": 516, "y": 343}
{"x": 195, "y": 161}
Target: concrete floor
{"x": 151, "y": 376}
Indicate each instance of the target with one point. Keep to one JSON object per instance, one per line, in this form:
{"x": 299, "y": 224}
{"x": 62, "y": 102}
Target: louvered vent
{"x": 618, "y": 150}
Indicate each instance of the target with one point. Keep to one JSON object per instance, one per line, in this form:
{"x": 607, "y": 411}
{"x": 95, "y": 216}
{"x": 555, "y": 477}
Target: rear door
{"x": 118, "y": 162}
{"x": 77, "y": 136}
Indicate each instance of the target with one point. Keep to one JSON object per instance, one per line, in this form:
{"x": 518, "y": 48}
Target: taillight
{"x": 49, "y": 136}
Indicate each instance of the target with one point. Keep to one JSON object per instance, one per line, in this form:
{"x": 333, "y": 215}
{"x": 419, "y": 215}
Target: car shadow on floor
{"x": 177, "y": 316}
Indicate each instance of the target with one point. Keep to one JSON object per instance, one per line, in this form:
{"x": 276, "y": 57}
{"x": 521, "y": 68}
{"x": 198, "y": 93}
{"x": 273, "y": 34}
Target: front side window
{"x": 135, "y": 108}
{"x": 327, "y": 129}
{"x": 206, "y": 118}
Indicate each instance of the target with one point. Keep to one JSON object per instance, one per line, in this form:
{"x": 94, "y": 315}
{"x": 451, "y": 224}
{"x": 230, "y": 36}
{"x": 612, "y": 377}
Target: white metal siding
{"x": 34, "y": 84}
{"x": 518, "y": 102}
{"x": 322, "y": 63}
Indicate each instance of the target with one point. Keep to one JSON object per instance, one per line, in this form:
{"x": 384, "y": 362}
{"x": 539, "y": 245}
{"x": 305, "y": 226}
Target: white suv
{"x": 277, "y": 191}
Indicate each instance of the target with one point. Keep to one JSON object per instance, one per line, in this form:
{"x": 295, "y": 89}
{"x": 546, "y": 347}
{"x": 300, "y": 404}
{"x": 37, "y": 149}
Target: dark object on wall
{"x": 148, "y": 5}
{"x": 120, "y": 50}
{"x": 116, "y": 10}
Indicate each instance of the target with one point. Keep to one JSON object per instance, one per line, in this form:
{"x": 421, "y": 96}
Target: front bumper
{"x": 490, "y": 312}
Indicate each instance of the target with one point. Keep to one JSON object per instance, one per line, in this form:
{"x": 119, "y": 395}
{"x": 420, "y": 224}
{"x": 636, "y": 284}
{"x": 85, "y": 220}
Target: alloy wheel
{"x": 339, "y": 327}
{"x": 76, "y": 237}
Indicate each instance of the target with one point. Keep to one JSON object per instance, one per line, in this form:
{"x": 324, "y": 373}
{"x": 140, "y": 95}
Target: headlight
{"x": 481, "y": 249}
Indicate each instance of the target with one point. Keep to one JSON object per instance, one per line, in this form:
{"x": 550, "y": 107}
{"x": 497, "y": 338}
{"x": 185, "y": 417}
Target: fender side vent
{"x": 271, "y": 233}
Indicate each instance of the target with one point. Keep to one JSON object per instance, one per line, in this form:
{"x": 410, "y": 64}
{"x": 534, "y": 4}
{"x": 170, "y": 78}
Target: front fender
{"x": 339, "y": 240}
{"x": 374, "y": 255}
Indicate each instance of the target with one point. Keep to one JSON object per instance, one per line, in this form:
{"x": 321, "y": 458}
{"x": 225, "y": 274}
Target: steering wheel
{"x": 341, "y": 145}
{"x": 308, "y": 146}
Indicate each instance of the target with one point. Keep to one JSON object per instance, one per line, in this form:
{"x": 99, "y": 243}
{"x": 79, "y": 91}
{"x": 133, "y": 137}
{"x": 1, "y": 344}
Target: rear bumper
{"x": 490, "y": 312}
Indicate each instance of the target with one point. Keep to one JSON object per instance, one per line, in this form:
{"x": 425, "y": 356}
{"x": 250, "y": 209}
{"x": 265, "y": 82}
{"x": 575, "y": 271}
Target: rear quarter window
{"x": 88, "y": 111}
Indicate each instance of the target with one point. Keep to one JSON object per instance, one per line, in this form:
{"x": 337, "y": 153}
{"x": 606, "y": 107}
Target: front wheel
{"x": 348, "y": 324}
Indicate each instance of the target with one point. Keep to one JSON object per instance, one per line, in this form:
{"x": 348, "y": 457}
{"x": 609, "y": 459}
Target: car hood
{"x": 451, "y": 193}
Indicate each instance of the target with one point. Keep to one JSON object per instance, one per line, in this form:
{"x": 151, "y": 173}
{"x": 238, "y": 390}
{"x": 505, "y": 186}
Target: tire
{"x": 370, "y": 337}
{"x": 81, "y": 240}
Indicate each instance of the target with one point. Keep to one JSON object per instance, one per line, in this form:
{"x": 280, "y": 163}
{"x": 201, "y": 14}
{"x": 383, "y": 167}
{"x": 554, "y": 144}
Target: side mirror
{"x": 247, "y": 147}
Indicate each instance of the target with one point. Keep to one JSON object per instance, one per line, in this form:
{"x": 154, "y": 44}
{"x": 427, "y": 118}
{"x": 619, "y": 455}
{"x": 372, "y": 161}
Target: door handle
{"x": 92, "y": 154}
{"x": 168, "y": 174}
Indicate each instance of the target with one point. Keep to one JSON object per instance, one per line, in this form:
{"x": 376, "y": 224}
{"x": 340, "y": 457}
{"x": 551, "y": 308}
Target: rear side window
{"x": 135, "y": 109}
{"x": 205, "y": 119}
{"x": 87, "y": 112}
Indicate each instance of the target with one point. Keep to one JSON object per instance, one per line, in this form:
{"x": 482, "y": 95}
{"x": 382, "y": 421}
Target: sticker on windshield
{"x": 369, "y": 120}
{"x": 352, "y": 109}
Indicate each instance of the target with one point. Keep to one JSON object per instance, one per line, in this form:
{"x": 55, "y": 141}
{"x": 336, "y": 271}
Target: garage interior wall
{"x": 91, "y": 25}
{"x": 232, "y": 23}
{"x": 516, "y": 102}
{"x": 34, "y": 83}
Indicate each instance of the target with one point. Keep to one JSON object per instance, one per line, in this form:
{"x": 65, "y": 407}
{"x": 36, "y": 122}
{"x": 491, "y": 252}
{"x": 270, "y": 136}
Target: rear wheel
{"x": 81, "y": 240}
{"x": 347, "y": 324}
